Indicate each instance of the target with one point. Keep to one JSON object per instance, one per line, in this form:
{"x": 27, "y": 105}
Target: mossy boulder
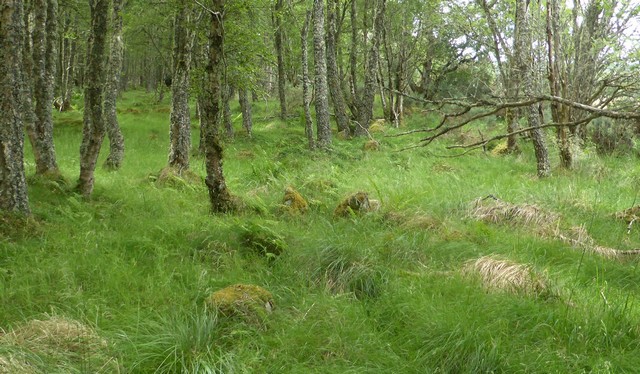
{"x": 356, "y": 203}
{"x": 293, "y": 201}
{"x": 371, "y": 145}
{"x": 241, "y": 300}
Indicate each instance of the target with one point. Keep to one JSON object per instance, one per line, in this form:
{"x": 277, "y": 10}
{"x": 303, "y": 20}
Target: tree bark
{"x": 227, "y": 93}
{"x": 333, "y": 74}
{"x": 306, "y": 100}
{"x": 279, "y": 36}
{"x": 523, "y": 42}
{"x": 44, "y": 56}
{"x": 180, "y": 131}
{"x": 116, "y": 139}
{"x": 245, "y": 107}
{"x": 28, "y": 113}
{"x": 94, "y": 125}
{"x": 13, "y": 187}
{"x": 219, "y": 195}
{"x": 365, "y": 110}
{"x": 353, "y": 62}
{"x": 322, "y": 97}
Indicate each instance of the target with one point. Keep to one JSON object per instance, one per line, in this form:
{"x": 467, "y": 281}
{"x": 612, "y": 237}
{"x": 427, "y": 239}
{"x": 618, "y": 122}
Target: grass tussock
{"x": 507, "y": 276}
{"x": 493, "y": 210}
{"x": 176, "y": 178}
{"x": 60, "y": 342}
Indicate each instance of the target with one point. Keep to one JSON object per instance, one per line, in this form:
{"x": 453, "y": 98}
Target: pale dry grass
{"x": 493, "y": 210}
{"x": 58, "y": 340}
{"x": 578, "y": 237}
{"x": 504, "y": 275}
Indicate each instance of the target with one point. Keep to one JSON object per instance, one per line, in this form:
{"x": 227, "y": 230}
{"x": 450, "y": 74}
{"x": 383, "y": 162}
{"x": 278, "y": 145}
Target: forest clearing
{"x": 339, "y": 186}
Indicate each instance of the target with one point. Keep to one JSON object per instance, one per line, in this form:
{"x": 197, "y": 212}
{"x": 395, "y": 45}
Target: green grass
{"x": 379, "y": 293}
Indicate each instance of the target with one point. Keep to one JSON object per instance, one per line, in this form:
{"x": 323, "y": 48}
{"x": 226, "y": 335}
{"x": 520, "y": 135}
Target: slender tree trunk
{"x": 306, "y": 99}
{"x": 366, "y": 105}
{"x": 245, "y": 107}
{"x": 180, "y": 131}
{"x": 28, "y": 113}
{"x": 279, "y": 36}
{"x": 94, "y": 126}
{"x": 524, "y": 54}
{"x": 44, "y": 55}
{"x": 116, "y": 139}
{"x": 333, "y": 74}
{"x": 322, "y": 97}
{"x": 13, "y": 187}
{"x": 68, "y": 62}
{"x": 219, "y": 195}
{"x": 353, "y": 62}
{"x": 227, "y": 93}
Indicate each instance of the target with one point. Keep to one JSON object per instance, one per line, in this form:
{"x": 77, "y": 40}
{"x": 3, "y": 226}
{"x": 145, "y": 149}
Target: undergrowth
{"x": 382, "y": 291}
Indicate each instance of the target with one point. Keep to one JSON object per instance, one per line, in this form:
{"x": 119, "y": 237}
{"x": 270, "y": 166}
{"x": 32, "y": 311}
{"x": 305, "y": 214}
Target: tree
{"x": 44, "y": 56}
{"x": 306, "y": 100}
{"x": 219, "y": 195}
{"x": 333, "y": 74}
{"x": 116, "y": 139}
{"x": 93, "y": 131}
{"x": 320, "y": 63}
{"x": 180, "y": 133}
{"x": 279, "y": 36}
{"x": 13, "y": 187}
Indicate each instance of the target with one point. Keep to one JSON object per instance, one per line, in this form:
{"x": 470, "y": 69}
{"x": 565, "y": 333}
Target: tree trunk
{"x": 353, "y": 62}
{"x": 245, "y": 107}
{"x": 227, "y": 93}
{"x": 67, "y": 67}
{"x": 13, "y": 187}
{"x": 44, "y": 56}
{"x": 28, "y": 113}
{"x": 333, "y": 74}
{"x": 306, "y": 100}
{"x": 523, "y": 45}
{"x": 94, "y": 128}
{"x": 277, "y": 17}
{"x": 322, "y": 97}
{"x": 180, "y": 131}
{"x": 219, "y": 195}
{"x": 116, "y": 139}
{"x": 365, "y": 110}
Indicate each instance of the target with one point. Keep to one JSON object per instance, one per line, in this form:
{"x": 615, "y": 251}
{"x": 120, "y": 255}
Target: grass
{"x": 386, "y": 291}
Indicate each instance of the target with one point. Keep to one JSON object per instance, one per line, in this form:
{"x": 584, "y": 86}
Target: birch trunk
{"x": 13, "y": 187}
{"x": 245, "y": 107}
{"x": 322, "y": 97}
{"x": 94, "y": 125}
{"x": 306, "y": 100}
{"x": 333, "y": 74}
{"x": 116, "y": 139}
{"x": 277, "y": 16}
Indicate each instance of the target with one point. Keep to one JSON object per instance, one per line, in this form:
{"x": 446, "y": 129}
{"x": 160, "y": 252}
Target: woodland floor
{"x": 434, "y": 281}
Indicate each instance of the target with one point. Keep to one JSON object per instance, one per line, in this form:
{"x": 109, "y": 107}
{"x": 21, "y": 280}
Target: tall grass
{"x": 380, "y": 292}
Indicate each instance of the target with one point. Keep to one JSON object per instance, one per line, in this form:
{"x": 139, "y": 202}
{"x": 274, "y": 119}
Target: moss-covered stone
{"x": 353, "y": 204}
{"x": 242, "y": 300}
{"x": 371, "y": 145}
{"x": 293, "y": 201}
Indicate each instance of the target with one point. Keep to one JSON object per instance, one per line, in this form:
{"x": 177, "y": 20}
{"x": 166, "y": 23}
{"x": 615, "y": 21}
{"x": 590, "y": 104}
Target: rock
{"x": 242, "y": 300}
{"x": 355, "y": 203}
{"x": 294, "y": 202}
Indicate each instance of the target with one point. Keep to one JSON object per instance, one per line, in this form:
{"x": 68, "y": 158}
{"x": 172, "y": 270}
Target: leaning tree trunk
{"x": 245, "y": 107}
{"x": 365, "y": 110}
{"x": 94, "y": 125}
{"x": 322, "y": 97}
{"x": 524, "y": 55}
{"x": 44, "y": 56}
{"x": 333, "y": 74}
{"x": 13, "y": 187}
{"x": 219, "y": 196}
{"x": 180, "y": 133}
{"x": 306, "y": 100}
{"x": 116, "y": 139}
{"x": 279, "y": 36}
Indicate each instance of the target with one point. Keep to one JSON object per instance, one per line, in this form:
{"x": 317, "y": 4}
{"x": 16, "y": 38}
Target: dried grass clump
{"x": 377, "y": 126}
{"x": 58, "y": 341}
{"x": 294, "y": 202}
{"x": 246, "y": 301}
{"x": 493, "y": 210}
{"x": 413, "y": 221}
{"x": 503, "y": 275}
{"x": 578, "y": 237}
{"x": 371, "y": 145}
{"x": 629, "y": 215}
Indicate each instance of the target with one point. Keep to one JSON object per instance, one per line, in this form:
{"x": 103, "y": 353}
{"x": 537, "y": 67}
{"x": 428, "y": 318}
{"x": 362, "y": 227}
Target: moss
{"x": 262, "y": 239}
{"x": 243, "y": 300}
{"x": 371, "y": 145}
{"x": 355, "y": 203}
{"x": 500, "y": 149}
{"x": 176, "y": 178}
{"x": 377, "y": 126}
{"x": 294, "y": 202}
